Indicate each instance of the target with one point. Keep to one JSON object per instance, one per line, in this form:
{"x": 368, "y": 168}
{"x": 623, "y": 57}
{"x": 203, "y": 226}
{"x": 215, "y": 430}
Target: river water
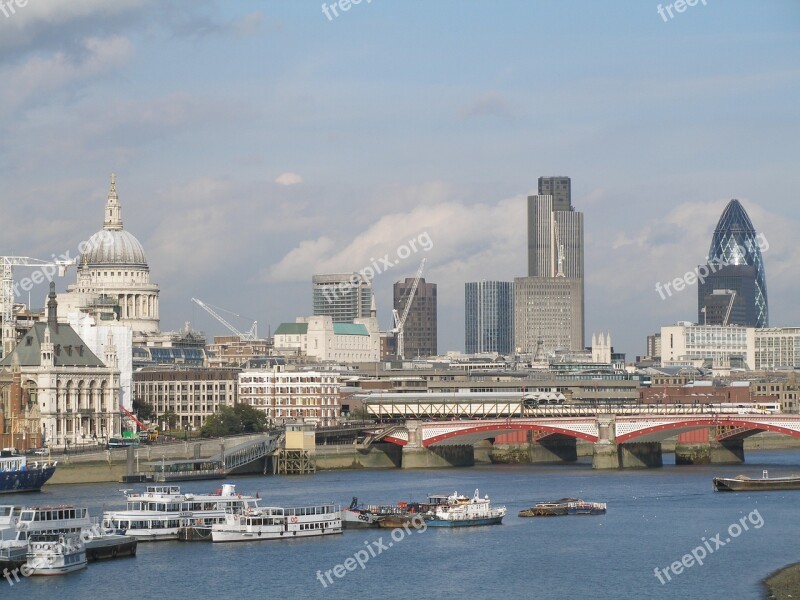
{"x": 655, "y": 517}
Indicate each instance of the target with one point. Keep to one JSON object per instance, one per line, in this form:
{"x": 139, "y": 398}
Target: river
{"x": 655, "y": 518}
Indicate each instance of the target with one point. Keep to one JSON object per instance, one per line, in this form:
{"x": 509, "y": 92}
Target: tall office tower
{"x": 342, "y": 296}
{"x": 419, "y": 330}
{"x": 489, "y": 316}
{"x": 735, "y": 263}
{"x": 548, "y": 304}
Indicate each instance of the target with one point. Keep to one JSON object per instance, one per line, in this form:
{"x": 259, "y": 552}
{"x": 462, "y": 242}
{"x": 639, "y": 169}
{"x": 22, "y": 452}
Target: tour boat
{"x": 50, "y": 554}
{"x": 273, "y": 523}
{"x": 456, "y": 510}
{"x": 67, "y": 520}
{"x": 17, "y": 475}
{"x": 162, "y": 512}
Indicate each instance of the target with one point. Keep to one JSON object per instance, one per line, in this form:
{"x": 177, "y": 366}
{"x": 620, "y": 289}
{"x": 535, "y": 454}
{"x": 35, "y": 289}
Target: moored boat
{"x": 273, "y": 523}
{"x": 362, "y": 516}
{"x": 51, "y": 554}
{"x": 554, "y": 508}
{"x": 17, "y": 475}
{"x": 456, "y": 510}
{"x": 742, "y": 483}
{"x": 586, "y": 508}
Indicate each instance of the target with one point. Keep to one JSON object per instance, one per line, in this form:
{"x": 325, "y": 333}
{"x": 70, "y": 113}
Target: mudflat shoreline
{"x": 784, "y": 583}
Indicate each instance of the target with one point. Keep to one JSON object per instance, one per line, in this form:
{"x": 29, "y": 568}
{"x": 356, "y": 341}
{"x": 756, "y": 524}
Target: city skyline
{"x": 241, "y": 184}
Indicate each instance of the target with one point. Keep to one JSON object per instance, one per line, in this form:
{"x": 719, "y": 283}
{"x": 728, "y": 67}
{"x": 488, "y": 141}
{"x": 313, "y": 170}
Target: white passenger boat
{"x": 55, "y": 554}
{"x": 273, "y": 523}
{"x": 162, "y": 511}
{"x": 65, "y": 520}
{"x": 456, "y": 510}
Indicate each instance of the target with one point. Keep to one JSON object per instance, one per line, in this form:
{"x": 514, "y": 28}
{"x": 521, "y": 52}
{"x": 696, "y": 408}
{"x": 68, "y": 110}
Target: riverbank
{"x": 784, "y": 584}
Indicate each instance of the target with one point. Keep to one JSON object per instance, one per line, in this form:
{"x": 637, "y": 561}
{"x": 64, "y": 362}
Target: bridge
{"x": 626, "y": 439}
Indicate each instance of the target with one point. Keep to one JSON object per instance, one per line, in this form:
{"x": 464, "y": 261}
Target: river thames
{"x": 655, "y": 518}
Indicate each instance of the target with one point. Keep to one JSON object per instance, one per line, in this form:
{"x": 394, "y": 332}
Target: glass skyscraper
{"x": 489, "y": 316}
{"x": 735, "y": 263}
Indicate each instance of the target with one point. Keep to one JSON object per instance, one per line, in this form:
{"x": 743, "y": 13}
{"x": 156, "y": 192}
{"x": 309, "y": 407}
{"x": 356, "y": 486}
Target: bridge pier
{"x": 701, "y": 448}
{"x": 519, "y": 448}
{"x": 637, "y": 455}
{"x": 605, "y": 454}
{"x": 417, "y": 456}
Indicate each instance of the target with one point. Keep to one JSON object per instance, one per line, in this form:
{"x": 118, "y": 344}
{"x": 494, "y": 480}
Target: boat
{"x": 554, "y": 508}
{"x": 17, "y": 475}
{"x": 273, "y": 523}
{"x": 33, "y": 522}
{"x": 586, "y": 508}
{"x": 361, "y": 516}
{"x": 456, "y": 510}
{"x": 162, "y": 512}
{"x": 51, "y": 554}
{"x": 742, "y": 483}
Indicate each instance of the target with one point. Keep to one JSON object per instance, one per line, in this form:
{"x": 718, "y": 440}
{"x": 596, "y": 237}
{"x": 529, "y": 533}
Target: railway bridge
{"x": 629, "y": 439}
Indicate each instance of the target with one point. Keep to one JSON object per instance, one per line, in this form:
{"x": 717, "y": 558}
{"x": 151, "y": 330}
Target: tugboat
{"x": 456, "y": 510}
{"x": 361, "y": 516}
{"x": 16, "y": 475}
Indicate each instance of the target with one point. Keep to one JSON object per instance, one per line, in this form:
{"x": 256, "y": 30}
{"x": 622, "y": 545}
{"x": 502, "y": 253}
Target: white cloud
{"x": 289, "y": 179}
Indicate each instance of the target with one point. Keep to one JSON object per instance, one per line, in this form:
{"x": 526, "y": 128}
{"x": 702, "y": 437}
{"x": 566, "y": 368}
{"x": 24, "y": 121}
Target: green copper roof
{"x": 292, "y": 329}
{"x": 349, "y": 329}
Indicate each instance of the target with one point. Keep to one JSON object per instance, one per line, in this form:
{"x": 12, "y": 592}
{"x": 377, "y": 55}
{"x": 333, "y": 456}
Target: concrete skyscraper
{"x": 548, "y": 303}
{"x": 342, "y": 296}
{"x": 420, "y": 329}
{"x": 735, "y": 269}
{"x": 489, "y": 316}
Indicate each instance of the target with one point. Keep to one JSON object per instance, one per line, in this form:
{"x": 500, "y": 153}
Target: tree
{"x": 231, "y": 420}
{"x": 170, "y": 418}
{"x": 143, "y": 409}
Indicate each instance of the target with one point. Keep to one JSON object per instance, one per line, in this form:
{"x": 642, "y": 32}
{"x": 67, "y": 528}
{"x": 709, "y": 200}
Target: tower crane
{"x": 251, "y": 335}
{"x": 400, "y": 321}
{"x": 7, "y": 263}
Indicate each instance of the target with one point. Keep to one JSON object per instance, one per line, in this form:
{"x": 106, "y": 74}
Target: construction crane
{"x": 400, "y": 321}
{"x": 148, "y": 432}
{"x": 250, "y": 336}
{"x": 7, "y": 263}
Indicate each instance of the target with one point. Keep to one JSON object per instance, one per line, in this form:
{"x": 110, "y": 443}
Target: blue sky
{"x": 256, "y": 143}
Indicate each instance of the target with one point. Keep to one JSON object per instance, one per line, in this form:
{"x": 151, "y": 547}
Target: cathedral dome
{"x": 112, "y": 245}
{"x": 113, "y": 248}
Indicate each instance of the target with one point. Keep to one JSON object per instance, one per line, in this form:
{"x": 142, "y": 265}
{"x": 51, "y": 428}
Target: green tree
{"x": 142, "y": 409}
{"x": 170, "y": 418}
{"x": 231, "y": 420}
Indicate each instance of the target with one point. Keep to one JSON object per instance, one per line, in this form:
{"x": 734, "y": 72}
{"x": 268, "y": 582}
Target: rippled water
{"x": 655, "y": 517}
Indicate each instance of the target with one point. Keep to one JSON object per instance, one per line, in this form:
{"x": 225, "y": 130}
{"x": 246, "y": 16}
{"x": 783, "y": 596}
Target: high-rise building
{"x": 735, "y": 263}
{"x": 726, "y": 306}
{"x": 342, "y": 296}
{"x": 419, "y": 330}
{"x": 548, "y": 304}
{"x": 489, "y": 316}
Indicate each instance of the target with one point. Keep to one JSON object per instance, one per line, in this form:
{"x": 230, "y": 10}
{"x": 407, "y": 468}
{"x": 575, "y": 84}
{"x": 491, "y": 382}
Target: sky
{"x": 256, "y": 143}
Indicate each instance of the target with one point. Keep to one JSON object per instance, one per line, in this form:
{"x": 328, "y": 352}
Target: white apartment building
{"x": 777, "y": 348}
{"x": 307, "y": 396}
{"x": 687, "y": 344}
{"x": 321, "y": 338}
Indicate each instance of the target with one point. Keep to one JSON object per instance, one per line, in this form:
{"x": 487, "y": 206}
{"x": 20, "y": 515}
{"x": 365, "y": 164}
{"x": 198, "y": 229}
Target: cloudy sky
{"x": 257, "y": 142}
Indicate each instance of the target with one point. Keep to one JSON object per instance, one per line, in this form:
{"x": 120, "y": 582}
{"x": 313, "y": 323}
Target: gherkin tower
{"x": 735, "y": 245}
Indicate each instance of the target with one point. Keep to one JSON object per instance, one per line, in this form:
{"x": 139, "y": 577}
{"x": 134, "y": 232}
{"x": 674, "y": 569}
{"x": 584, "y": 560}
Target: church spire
{"x": 113, "y": 214}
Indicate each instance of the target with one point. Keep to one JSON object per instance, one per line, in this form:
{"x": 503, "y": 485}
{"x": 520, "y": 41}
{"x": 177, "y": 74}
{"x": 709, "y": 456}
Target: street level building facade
{"x": 71, "y": 394}
{"x": 291, "y": 396}
{"x": 489, "y": 317}
{"x": 420, "y": 331}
